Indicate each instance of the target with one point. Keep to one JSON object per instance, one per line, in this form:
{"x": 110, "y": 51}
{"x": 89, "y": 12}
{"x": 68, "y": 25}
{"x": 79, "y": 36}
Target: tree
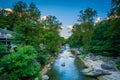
{"x": 21, "y": 64}
{"x": 33, "y": 12}
{"x": 115, "y": 8}
{"x": 3, "y": 19}
{"x": 75, "y": 40}
{"x": 82, "y": 32}
{"x": 20, "y": 7}
{"x": 107, "y": 43}
{"x": 26, "y": 26}
{"x": 87, "y": 15}
{"x": 51, "y": 38}
{"x": 52, "y": 23}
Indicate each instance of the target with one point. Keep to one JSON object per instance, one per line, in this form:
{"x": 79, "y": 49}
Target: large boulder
{"x": 94, "y": 73}
{"x": 81, "y": 50}
{"x": 106, "y": 66}
{"x": 87, "y": 70}
{"x": 101, "y": 72}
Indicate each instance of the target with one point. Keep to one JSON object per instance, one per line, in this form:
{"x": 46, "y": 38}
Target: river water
{"x": 67, "y": 67}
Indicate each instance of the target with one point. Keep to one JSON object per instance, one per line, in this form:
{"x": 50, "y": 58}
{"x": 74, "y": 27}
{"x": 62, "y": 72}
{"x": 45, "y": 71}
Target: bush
{"x": 42, "y": 59}
{"x": 21, "y": 64}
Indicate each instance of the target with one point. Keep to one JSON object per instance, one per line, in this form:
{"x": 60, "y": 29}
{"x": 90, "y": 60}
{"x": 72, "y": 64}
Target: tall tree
{"x": 115, "y": 8}
{"x": 26, "y": 25}
{"x": 51, "y": 38}
{"x": 33, "y": 11}
{"x": 87, "y": 15}
{"x": 82, "y": 32}
{"x": 86, "y": 18}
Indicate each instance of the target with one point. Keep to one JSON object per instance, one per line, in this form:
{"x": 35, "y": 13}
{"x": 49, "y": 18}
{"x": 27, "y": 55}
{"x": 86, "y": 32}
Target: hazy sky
{"x": 65, "y": 10}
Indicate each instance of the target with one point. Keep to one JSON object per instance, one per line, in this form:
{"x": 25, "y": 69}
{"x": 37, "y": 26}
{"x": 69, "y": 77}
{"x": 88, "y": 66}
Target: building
{"x": 5, "y": 36}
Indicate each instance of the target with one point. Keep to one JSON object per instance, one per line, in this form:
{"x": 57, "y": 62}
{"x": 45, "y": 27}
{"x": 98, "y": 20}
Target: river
{"x": 67, "y": 67}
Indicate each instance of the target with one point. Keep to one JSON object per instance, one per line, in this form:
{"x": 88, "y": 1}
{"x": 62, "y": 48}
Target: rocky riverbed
{"x": 104, "y": 68}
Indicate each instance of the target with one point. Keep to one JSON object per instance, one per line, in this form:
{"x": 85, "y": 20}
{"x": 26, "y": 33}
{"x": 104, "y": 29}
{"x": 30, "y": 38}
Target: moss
{"x": 82, "y": 57}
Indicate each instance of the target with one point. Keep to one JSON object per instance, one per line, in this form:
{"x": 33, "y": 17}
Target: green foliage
{"x": 3, "y": 49}
{"x": 82, "y": 57}
{"x": 115, "y": 8}
{"x": 21, "y": 64}
{"x": 26, "y": 31}
{"x": 75, "y": 40}
{"x": 39, "y": 77}
{"x": 30, "y": 31}
{"x": 87, "y": 15}
{"x": 26, "y": 24}
{"x": 82, "y": 32}
{"x": 118, "y": 65}
{"x": 49, "y": 35}
{"x": 42, "y": 59}
{"x": 108, "y": 39}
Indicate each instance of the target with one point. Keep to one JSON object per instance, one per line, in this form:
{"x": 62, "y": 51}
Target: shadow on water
{"x": 71, "y": 70}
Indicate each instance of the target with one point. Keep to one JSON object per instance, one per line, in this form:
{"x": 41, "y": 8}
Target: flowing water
{"x": 66, "y": 67}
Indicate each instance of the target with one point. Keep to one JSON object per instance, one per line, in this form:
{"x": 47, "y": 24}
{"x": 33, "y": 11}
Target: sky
{"x": 66, "y": 11}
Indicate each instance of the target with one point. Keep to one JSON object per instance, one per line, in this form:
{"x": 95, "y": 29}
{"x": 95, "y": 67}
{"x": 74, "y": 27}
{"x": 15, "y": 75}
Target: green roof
{"x": 5, "y": 31}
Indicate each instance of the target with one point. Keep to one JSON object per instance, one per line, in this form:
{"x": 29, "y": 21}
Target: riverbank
{"x": 45, "y": 69}
{"x": 106, "y": 65}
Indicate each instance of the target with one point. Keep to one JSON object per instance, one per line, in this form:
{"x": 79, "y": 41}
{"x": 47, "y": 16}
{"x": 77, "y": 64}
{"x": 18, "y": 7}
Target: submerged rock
{"x": 63, "y": 64}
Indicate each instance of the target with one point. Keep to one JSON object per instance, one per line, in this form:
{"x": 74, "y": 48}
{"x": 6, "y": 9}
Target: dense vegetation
{"x": 82, "y": 32}
{"x": 108, "y": 41}
{"x": 37, "y": 41}
{"x": 102, "y": 38}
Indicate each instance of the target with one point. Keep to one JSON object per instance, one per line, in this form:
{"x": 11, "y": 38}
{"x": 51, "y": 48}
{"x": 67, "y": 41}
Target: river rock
{"x": 77, "y": 52}
{"x": 51, "y": 62}
{"x": 90, "y": 55}
{"x": 45, "y": 77}
{"x": 63, "y": 64}
{"x": 106, "y": 66}
{"x": 81, "y": 50}
{"x": 92, "y": 72}
{"x": 49, "y": 65}
{"x": 101, "y": 72}
{"x": 49, "y": 68}
{"x": 36, "y": 78}
{"x": 87, "y": 70}
{"x": 70, "y": 55}
{"x": 97, "y": 58}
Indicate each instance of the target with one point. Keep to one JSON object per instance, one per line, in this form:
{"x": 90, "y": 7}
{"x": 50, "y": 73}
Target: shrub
{"x": 21, "y": 64}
